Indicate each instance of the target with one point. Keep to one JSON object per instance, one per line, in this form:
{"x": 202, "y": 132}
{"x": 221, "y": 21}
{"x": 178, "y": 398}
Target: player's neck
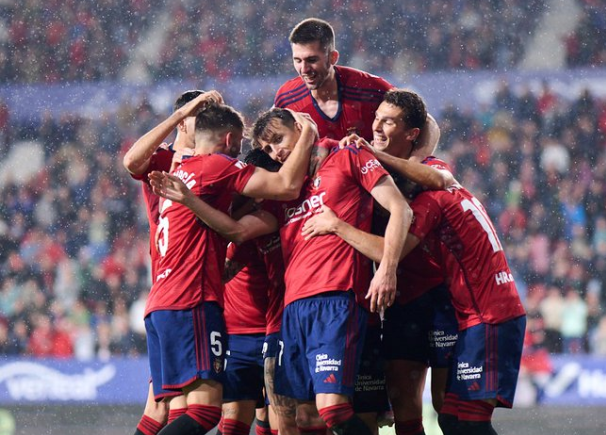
{"x": 181, "y": 143}
{"x": 328, "y": 91}
{"x": 318, "y": 154}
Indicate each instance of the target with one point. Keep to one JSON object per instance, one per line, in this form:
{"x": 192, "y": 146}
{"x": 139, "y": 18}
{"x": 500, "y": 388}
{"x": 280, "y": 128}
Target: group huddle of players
{"x": 356, "y": 262}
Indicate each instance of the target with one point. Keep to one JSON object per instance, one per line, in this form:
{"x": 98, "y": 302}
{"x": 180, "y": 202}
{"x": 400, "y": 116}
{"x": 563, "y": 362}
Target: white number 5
{"x": 215, "y": 343}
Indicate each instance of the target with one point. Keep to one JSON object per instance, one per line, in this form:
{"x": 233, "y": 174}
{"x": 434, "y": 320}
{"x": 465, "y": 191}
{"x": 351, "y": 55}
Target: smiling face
{"x": 279, "y": 140}
{"x": 314, "y": 63}
{"x": 391, "y": 133}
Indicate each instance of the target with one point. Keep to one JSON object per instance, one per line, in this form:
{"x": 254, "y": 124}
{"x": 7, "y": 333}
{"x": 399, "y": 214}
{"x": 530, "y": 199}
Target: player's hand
{"x": 168, "y": 186}
{"x": 192, "y": 108}
{"x": 320, "y": 224}
{"x": 304, "y": 120}
{"x": 382, "y": 291}
{"x": 354, "y": 139}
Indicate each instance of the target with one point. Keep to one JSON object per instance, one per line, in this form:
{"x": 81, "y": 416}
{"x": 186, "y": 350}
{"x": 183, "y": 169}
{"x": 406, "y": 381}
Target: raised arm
{"x": 427, "y": 140}
{"x": 287, "y": 182}
{"x": 238, "y": 231}
{"x": 137, "y": 158}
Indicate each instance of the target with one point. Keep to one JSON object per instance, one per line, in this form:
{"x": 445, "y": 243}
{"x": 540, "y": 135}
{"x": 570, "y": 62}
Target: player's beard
{"x": 320, "y": 78}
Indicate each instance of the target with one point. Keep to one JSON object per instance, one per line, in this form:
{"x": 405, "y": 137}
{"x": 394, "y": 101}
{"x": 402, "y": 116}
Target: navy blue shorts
{"x": 184, "y": 346}
{"x": 322, "y": 340}
{"x": 486, "y": 362}
{"x": 370, "y": 393}
{"x": 423, "y": 330}
{"x": 244, "y": 368}
{"x": 271, "y": 345}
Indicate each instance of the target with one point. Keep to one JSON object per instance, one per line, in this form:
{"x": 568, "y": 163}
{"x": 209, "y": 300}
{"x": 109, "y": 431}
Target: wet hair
{"x": 413, "y": 106}
{"x": 186, "y": 97}
{"x": 261, "y": 159}
{"x": 311, "y": 30}
{"x": 219, "y": 117}
{"x": 262, "y": 128}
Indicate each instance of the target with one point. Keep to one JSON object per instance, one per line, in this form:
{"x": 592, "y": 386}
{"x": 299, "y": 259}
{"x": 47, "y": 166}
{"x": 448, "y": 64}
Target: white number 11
{"x": 478, "y": 212}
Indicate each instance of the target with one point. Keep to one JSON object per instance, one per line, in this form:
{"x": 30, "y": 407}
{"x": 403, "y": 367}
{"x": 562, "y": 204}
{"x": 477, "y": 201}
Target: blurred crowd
{"x": 70, "y": 40}
{"x": 74, "y": 267}
{"x": 586, "y": 45}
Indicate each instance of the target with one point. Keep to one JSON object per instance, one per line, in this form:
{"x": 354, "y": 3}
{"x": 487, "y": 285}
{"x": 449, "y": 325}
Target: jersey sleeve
{"x": 160, "y": 161}
{"x": 231, "y": 174}
{"x": 437, "y": 163}
{"x": 427, "y": 215}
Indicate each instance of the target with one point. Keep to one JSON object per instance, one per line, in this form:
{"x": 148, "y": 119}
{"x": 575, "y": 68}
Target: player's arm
{"x": 370, "y": 245}
{"x": 287, "y": 182}
{"x": 425, "y": 175}
{"x": 137, "y": 158}
{"x": 427, "y": 140}
{"x": 238, "y": 231}
{"x": 382, "y": 291}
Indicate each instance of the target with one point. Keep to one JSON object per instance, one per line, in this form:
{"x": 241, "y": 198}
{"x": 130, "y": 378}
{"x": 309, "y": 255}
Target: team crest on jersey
{"x": 218, "y": 365}
{"x": 317, "y": 182}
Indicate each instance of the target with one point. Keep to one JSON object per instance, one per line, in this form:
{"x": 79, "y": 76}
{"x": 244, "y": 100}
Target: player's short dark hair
{"x": 219, "y": 117}
{"x": 262, "y": 130}
{"x": 413, "y": 106}
{"x": 261, "y": 159}
{"x": 186, "y": 97}
{"x": 311, "y": 30}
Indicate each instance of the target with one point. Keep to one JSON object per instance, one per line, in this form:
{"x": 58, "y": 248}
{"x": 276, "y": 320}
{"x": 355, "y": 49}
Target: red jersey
{"x": 478, "y": 276}
{"x": 254, "y": 297}
{"x": 417, "y": 273}
{"x": 359, "y": 95}
{"x": 192, "y": 256}
{"x": 161, "y": 160}
{"x": 270, "y": 249}
{"x": 323, "y": 264}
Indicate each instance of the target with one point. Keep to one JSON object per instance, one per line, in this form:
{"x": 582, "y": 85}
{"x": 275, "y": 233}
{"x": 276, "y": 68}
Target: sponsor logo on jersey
{"x": 503, "y": 278}
{"x": 163, "y": 274}
{"x": 306, "y": 208}
{"x": 370, "y": 166}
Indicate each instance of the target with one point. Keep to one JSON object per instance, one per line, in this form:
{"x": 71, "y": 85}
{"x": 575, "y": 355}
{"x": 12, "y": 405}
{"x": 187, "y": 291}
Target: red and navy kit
{"x": 161, "y": 160}
{"x": 359, "y": 95}
{"x": 478, "y": 276}
{"x": 324, "y": 324}
{"x": 323, "y": 264}
{"x": 192, "y": 256}
{"x": 246, "y": 293}
{"x": 254, "y": 297}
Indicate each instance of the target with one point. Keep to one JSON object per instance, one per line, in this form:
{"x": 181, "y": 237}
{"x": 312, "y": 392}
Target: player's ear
{"x": 334, "y": 57}
{"x": 182, "y": 127}
{"x": 227, "y": 139}
{"x": 413, "y": 134}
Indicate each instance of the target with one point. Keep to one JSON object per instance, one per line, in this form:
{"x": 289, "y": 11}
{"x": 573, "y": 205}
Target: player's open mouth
{"x": 379, "y": 140}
